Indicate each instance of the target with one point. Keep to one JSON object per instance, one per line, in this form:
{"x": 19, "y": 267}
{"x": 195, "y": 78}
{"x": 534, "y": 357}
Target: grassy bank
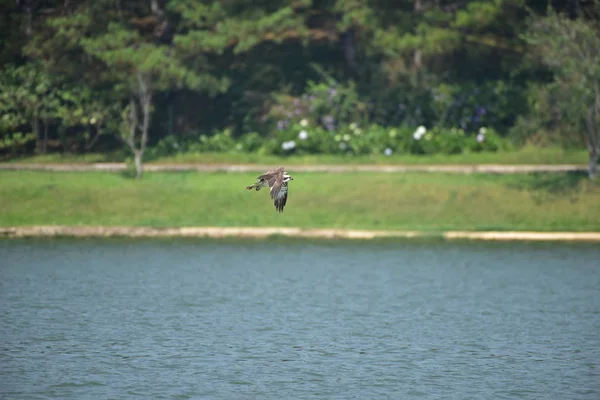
{"x": 412, "y": 201}
{"x": 526, "y": 155}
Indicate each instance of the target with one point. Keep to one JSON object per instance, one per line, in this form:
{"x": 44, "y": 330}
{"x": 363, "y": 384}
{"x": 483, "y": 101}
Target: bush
{"x": 14, "y": 143}
{"x": 167, "y": 146}
{"x": 249, "y": 143}
{"x": 329, "y": 105}
{"x": 306, "y": 137}
{"x": 470, "y": 107}
{"x": 301, "y": 138}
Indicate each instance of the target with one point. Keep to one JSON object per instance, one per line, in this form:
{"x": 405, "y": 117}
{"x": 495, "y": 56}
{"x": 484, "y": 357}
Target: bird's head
{"x": 287, "y": 178}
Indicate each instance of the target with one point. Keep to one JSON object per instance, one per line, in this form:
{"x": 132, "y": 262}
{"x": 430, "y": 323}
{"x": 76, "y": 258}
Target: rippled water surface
{"x": 295, "y": 319}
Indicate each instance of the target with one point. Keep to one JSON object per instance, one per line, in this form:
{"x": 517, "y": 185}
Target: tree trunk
{"x": 145, "y": 100}
{"x": 91, "y": 143}
{"x": 593, "y": 163}
{"x": 99, "y": 131}
{"x": 36, "y": 131}
{"x": 418, "y": 53}
{"x": 29, "y": 26}
{"x": 162, "y": 27}
{"x": 417, "y": 60}
{"x": 145, "y": 96}
{"x": 574, "y": 9}
{"x": 170, "y": 120}
{"x": 349, "y": 48}
{"x": 139, "y": 166}
{"x": 146, "y": 103}
{"x": 156, "y": 8}
{"x": 45, "y": 140}
{"x": 593, "y": 134}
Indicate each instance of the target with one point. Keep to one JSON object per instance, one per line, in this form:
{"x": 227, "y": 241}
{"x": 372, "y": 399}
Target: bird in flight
{"x": 277, "y": 180}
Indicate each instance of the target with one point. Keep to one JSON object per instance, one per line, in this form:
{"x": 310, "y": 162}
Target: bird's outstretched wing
{"x": 276, "y": 184}
{"x": 270, "y": 176}
{"x": 275, "y": 180}
{"x": 281, "y": 198}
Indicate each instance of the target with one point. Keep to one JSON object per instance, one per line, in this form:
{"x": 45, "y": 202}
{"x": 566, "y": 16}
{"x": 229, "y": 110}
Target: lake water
{"x": 283, "y": 319}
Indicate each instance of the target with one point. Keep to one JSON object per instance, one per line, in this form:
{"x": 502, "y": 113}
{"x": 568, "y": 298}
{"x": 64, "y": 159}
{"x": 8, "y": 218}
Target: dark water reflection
{"x": 295, "y": 319}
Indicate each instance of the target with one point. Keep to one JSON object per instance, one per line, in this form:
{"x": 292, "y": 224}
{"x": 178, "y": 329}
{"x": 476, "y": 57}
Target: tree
{"x": 137, "y": 63}
{"x": 256, "y": 48}
{"x": 571, "y": 48}
{"x": 140, "y": 67}
{"x": 196, "y": 66}
{"x": 87, "y": 114}
{"x": 29, "y": 96}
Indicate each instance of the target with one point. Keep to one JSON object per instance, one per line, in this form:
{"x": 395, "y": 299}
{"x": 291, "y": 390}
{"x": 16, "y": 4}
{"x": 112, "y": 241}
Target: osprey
{"x": 277, "y": 180}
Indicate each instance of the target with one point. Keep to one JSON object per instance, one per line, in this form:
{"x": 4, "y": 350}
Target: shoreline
{"x": 266, "y": 232}
{"x": 445, "y": 168}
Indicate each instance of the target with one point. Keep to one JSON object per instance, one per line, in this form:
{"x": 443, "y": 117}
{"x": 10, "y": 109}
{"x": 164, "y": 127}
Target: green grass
{"x": 526, "y": 155}
{"x": 412, "y": 201}
{"x": 66, "y": 158}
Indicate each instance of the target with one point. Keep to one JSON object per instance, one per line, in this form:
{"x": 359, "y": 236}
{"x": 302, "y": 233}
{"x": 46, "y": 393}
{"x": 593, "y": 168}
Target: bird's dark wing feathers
{"x": 276, "y": 187}
{"x": 281, "y": 198}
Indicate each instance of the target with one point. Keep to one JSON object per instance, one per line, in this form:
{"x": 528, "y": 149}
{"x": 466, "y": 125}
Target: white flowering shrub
{"x": 306, "y": 137}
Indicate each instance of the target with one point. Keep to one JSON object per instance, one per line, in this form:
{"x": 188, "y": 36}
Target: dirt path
{"x": 261, "y": 233}
{"x": 456, "y": 168}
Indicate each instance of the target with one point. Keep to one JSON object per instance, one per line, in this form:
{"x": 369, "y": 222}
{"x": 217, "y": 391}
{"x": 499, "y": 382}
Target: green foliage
{"x": 220, "y": 141}
{"x": 26, "y": 92}
{"x": 329, "y": 105}
{"x": 479, "y": 14}
{"x": 304, "y": 138}
{"x": 126, "y": 51}
{"x": 167, "y": 146}
{"x": 217, "y": 142}
{"x": 544, "y": 125}
{"x": 571, "y": 48}
{"x": 209, "y": 66}
{"x": 250, "y": 142}
{"x": 568, "y": 46}
{"x": 216, "y": 27}
{"x": 473, "y": 106}
{"x": 15, "y": 142}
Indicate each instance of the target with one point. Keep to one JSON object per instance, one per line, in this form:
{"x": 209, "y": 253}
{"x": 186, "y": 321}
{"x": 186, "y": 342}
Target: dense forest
{"x": 96, "y": 75}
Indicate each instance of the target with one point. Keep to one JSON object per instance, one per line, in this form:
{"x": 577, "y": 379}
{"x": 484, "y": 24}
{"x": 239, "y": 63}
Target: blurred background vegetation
{"x": 165, "y": 77}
